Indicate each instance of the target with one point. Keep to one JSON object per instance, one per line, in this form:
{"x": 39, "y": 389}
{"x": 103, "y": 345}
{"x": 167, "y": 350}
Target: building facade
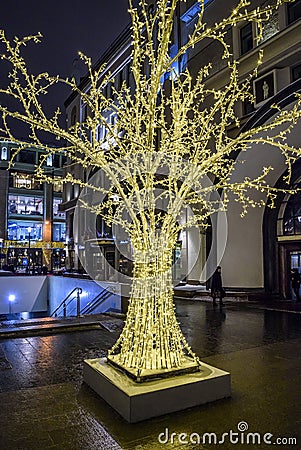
{"x": 32, "y": 226}
{"x": 263, "y": 247}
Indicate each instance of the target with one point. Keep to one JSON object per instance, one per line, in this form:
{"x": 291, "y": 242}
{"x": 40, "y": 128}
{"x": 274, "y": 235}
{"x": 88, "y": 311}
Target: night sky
{"x": 67, "y": 27}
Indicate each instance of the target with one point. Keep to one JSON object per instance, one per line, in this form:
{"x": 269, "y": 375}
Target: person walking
{"x": 296, "y": 281}
{"x": 217, "y": 290}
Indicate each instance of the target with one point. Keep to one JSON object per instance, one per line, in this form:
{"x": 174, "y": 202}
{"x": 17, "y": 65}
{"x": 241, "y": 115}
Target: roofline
{"x": 123, "y": 37}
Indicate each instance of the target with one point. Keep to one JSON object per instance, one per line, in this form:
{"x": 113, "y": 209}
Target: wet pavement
{"x": 45, "y": 404}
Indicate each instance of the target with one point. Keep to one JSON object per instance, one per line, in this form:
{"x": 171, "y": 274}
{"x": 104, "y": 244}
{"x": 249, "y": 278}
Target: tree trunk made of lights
{"x": 151, "y": 343}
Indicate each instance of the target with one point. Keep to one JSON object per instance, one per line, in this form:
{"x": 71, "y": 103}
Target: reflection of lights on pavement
{"x": 25, "y": 315}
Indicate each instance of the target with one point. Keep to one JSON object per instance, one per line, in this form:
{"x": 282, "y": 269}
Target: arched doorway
{"x": 289, "y": 238}
{"x": 282, "y": 237}
{"x": 281, "y": 244}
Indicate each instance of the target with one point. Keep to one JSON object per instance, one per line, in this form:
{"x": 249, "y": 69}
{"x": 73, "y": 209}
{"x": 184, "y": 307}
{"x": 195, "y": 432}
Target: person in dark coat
{"x": 217, "y": 290}
{"x": 296, "y": 281}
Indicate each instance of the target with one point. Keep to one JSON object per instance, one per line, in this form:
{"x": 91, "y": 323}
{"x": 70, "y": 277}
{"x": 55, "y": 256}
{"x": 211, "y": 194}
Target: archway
{"x": 251, "y": 260}
{"x": 282, "y": 238}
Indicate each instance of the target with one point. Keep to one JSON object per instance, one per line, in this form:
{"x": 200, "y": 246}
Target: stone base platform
{"x": 139, "y": 401}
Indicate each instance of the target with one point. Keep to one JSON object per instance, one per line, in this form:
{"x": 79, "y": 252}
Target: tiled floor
{"x": 45, "y": 405}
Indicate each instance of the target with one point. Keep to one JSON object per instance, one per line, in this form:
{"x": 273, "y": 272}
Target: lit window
{"x": 59, "y": 232}
{"x": 192, "y": 12}
{"x": 49, "y": 161}
{"x": 23, "y": 205}
{"x": 101, "y": 132}
{"x": 18, "y": 230}
{"x": 57, "y": 184}
{"x": 292, "y": 215}
{"x": 24, "y": 181}
{"x": 57, "y": 214}
{"x": 188, "y": 21}
{"x": 4, "y": 154}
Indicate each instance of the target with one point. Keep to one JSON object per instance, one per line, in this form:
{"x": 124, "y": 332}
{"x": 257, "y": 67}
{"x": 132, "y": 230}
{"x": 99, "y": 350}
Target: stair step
{"x": 45, "y": 329}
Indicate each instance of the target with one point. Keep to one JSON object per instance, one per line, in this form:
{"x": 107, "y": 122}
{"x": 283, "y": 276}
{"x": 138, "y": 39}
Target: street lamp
{"x": 29, "y": 231}
{"x": 11, "y": 299}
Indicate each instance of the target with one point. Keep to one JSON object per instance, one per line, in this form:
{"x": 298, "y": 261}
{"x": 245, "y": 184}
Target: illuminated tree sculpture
{"x": 167, "y": 138}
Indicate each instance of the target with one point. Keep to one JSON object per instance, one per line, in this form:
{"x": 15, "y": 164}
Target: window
{"x": 292, "y": 215}
{"x": 73, "y": 116}
{"x": 187, "y": 23}
{"x": 84, "y": 112}
{"x": 271, "y": 27}
{"x": 57, "y": 214}
{"x": 57, "y": 184}
{"x": 25, "y": 205}
{"x": 246, "y": 38}
{"x": 27, "y": 156}
{"x": 120, "y": 79}
{"x": 192, "y": 12}
{"x": 248, "y": 107}
{"x": 24, "y": 181}
{"x": 56, "y": 160}
{"x": 294, "y": 11}
{"x": 264, "y": 87}
{"x": 59, "y": 232}
{"x": 151, "y": 10}
{"x": 49, "y": 160}
{"x": 126, "y": 73}
{"x": 18, "y": 230}
{"x": 109, "y": 89}
{"x": 101, "y": 132}
{"x": 296, "y": 72}
{"x": 4, "y": 154}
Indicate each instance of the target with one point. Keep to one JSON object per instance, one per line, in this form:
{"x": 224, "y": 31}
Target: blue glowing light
{"x": 192, "y": 12}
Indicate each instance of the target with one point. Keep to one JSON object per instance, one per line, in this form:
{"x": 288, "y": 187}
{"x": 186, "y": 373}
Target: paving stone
{"x": 45, "y": 405}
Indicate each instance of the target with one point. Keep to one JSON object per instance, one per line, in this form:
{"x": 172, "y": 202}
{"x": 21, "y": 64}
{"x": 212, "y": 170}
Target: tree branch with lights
{"x": 168, "y": 136}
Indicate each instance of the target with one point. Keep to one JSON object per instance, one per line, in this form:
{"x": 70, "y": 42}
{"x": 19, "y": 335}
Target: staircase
{"x": 71, "y": 305}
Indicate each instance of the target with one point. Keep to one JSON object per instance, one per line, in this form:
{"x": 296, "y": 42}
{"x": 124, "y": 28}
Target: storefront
{"x": 18, "y": 256}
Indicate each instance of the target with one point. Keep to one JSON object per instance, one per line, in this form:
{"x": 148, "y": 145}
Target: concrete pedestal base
{"x": 140, "y": 401}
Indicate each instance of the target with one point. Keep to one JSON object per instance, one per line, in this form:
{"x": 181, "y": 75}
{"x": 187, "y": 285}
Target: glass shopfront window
{"x": 17, "y": 230}
{"x": 25, "y": 205}
{"x": 57, "y": 214}
{"x": 57, "y": 184}
{"x": 24, "y": 181}
{"x": 59, "y": 232}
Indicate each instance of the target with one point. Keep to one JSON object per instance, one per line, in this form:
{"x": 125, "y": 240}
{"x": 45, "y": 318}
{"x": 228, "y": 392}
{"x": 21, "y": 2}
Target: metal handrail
{"x": 64, "y": 303}
{"x": 100, "y": 298}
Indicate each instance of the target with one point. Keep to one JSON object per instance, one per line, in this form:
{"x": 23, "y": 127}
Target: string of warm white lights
{"x": 166, "y": 138}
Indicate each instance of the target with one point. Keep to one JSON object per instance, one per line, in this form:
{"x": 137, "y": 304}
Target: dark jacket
{"x": 216, "y": 282}
{"x": 295, "y": 279}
